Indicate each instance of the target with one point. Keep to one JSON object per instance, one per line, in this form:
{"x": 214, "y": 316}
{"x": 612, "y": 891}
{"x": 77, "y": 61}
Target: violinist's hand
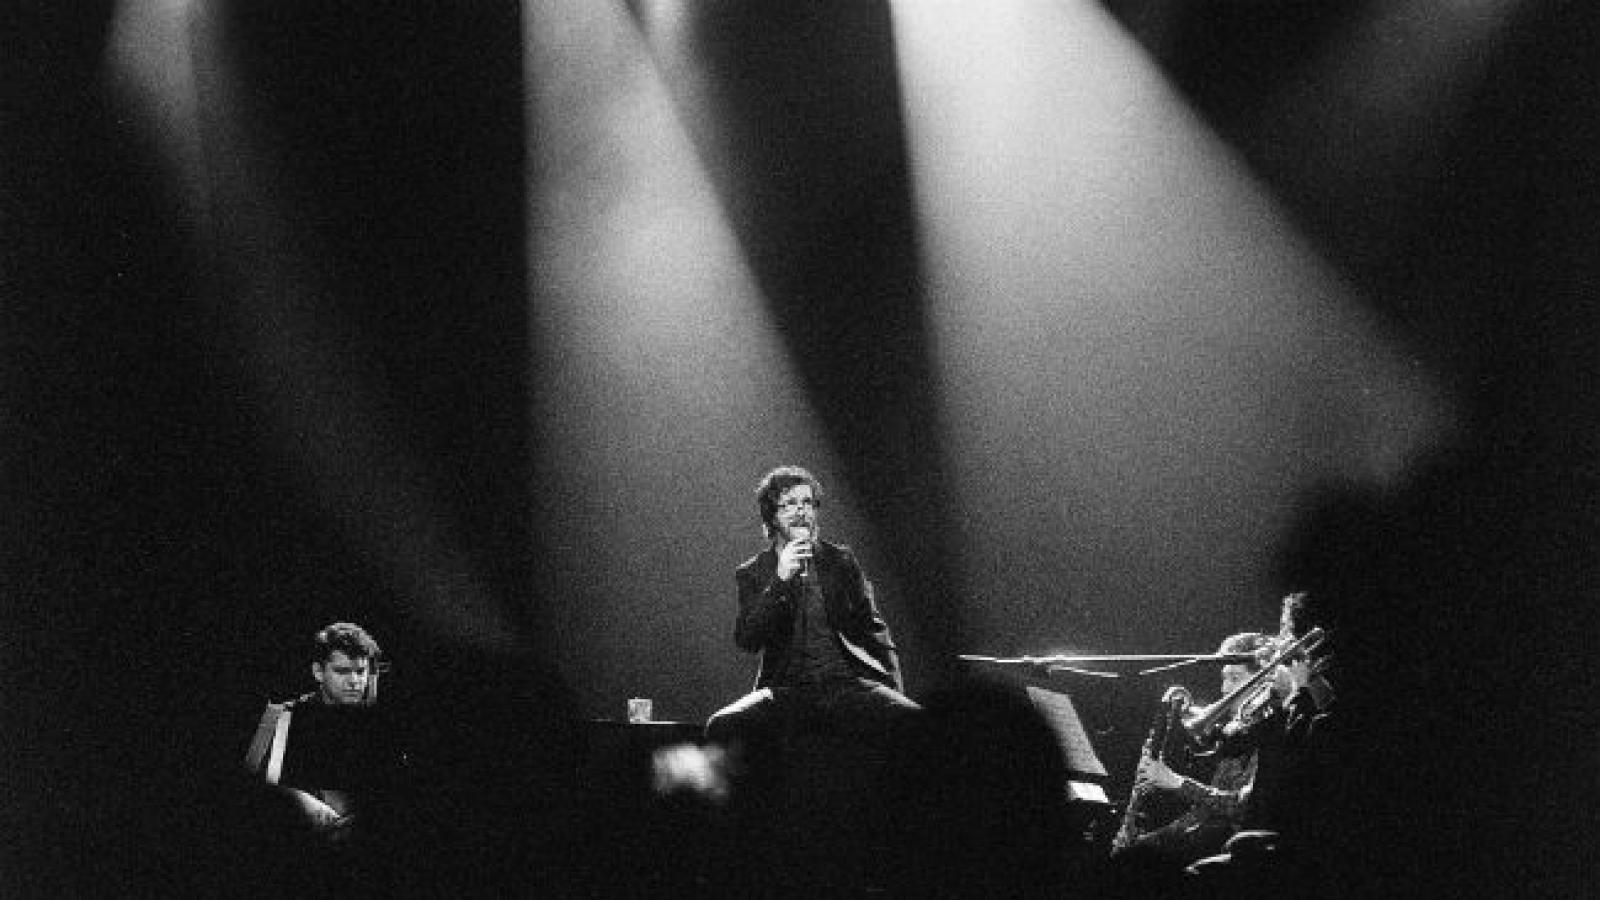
{"x": 1156, "y": 773}
{"x": 1283, "y": 683}
{"x": 1298, "y": 673}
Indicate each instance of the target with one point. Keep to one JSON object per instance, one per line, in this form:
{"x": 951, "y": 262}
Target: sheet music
{"x": 1058, "y": 710}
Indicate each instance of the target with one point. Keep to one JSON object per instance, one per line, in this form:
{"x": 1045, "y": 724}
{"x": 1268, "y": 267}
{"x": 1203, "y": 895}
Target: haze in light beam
{"x": 664, "y": 390}
{"x": 1145, "y": 368}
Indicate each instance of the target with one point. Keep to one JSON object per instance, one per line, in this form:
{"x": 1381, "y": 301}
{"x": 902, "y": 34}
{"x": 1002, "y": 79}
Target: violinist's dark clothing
{"x": 1292, "y": 745}
{"x": 1292, "y": 835}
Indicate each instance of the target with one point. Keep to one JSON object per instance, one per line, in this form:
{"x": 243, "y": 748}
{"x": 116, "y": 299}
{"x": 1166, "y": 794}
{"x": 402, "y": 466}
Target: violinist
{"x": 1215, "y": 810}
{"x": 1289, "y": 735}
{"x": 1285, "y": 831}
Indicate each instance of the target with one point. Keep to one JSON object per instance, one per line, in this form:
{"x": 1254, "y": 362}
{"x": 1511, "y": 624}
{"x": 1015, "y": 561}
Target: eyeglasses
{"x": 797, "y": 503}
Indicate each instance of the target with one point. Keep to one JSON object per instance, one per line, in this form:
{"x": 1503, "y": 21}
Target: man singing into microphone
{"x": 827, "y": 661}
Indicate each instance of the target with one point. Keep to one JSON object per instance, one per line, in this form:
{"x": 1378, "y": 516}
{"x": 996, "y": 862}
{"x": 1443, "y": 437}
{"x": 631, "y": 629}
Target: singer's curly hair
{"x": 772, "y": 486}
{"x": 346, "y": 637}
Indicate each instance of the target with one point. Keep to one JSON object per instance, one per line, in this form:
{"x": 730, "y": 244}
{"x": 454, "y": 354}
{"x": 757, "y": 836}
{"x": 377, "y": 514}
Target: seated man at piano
{"x": 331, "y": 750}
{"x": 1214, "y": 810}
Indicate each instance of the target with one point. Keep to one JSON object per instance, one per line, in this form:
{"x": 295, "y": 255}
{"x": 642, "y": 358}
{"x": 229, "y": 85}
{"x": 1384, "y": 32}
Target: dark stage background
{"x": 319, "y": 311}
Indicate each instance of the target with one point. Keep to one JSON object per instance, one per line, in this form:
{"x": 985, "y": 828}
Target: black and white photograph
{"x": 860, "y": 449}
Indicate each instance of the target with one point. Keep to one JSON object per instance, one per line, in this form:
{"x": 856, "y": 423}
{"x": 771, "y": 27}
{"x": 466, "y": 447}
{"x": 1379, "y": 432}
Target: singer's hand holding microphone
{"x": 795, "y": 557}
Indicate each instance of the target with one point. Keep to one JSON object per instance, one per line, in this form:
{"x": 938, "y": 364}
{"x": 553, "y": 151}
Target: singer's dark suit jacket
{"x": 766, "y": 615}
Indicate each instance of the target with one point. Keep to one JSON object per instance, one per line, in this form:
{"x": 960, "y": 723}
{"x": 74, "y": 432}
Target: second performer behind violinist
{"x": 1215, "y": 810}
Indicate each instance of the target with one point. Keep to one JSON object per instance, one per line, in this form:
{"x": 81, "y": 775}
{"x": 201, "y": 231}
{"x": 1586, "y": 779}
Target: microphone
{"x": 803, "y": 533}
